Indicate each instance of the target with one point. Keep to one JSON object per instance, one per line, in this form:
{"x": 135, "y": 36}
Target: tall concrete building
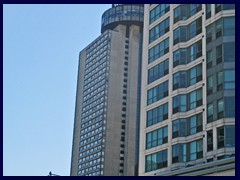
{"x": 188, "y": 87}
{"x": 105, "y": 139}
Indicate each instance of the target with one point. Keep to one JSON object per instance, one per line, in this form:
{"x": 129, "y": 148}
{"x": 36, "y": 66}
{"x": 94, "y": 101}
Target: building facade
{"x": 188, "y": 86}
{"x": 105, "y": 139}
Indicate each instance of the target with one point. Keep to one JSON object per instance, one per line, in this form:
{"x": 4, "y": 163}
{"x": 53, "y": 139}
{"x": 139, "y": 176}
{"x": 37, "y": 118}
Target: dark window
{"x": 179, "y": 103}
{"x": 209, "y": 140}
{"x": 218, "y": 8}
{"x": 179, "y": 153}
{"x": 194, "y": 124}
{"x": 195, "y": 99}
{"x": 180, "y": 35}
{"x": 184, "y": 127}
{"x": 157, "y": 137}
{"x": 208, "y": 11}
{"x": 209, "y": 59}
{"x": 183, "y": 12}
{"x": 186, "y": 55}
{"x": 209, "y": 33}
{"x": 158, "y": 12}
{"x": 194, "y": 8}
{"x": 220, "y": 80}
{"x": 221, "y": 157}
{"x": 177, "y": 14}
{"x": 157, "y": 93}
{"x": 196, "y": 150}
{"x": 185, "y": 33}
{"x": 210, "y": 113}
{"x": 187, "y": 152}
{"x": 195, "y": 51}
{"x": 183, "y": 79}
{"x": 210, "y": 160}
{"x": 159, "y": 30}
{"x": 229, "y": 79}
{"x": 180, "y": 57}
{"x": 182, "y": 103}
{"x": 158, "y": 51}
{"x": 209, "y": 85}
{"x": 179, "y": 128}
{"x": 195, "y": 28}
{"x": 220, "y": 109}
{"x": 220, "y": 137}
{"x": 157, "y": 114}
{"x": 156, "y": 161}
{"x": 180, "y": 80}
{"x": 158, "y": 71}
{"x": 219, "y": 28}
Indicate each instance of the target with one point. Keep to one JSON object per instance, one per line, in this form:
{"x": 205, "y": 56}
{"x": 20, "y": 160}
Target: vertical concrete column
{"x": 142, "y": 136}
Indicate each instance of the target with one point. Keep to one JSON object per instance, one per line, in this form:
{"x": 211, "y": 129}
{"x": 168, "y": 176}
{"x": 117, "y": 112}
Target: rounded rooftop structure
{"x": 122, "y": 14}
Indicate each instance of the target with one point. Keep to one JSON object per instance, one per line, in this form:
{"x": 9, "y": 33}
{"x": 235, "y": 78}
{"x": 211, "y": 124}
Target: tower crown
{"x": 122, "y": 14}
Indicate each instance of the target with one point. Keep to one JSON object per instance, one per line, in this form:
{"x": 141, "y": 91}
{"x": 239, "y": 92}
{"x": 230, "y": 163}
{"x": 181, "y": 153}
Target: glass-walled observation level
{"x": 122, "y": 14}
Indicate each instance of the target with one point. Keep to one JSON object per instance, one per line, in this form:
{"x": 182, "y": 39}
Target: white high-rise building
{"x": 188, "y": 86}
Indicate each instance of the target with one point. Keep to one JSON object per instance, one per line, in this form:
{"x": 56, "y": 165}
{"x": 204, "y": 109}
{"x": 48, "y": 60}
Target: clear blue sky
{"x": 41, "y": 44}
